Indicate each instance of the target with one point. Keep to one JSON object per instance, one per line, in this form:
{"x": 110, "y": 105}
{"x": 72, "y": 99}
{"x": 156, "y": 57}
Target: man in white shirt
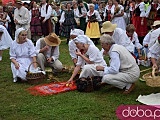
{"x": 46, "y": 11}
{"x": 22, "y": 17}
{"x": 123, "y": 70}
{"x": 47, "y": 50}
{"x": 119, "y": 36}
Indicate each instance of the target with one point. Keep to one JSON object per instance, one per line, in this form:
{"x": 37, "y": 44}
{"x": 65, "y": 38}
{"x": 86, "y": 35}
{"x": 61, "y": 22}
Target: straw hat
{"x": 157, "y": 22}
{"x": 52, "y": 40}
{"x": 18, "y": 1}
{"x": 108, "y": 27}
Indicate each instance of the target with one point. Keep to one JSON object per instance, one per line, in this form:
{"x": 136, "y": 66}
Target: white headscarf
{"x": 18, "y": 32}
{"x": 83, "y": 39}
{"x": 77, "y": 32}
{"x": 6, "y": 38}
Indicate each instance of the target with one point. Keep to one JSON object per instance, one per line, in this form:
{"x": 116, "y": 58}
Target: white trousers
{"x": 120, "y": 80}
{"x": 89, "y": 70}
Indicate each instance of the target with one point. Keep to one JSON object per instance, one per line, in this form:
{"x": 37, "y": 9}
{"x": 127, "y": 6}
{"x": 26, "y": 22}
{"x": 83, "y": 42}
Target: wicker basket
{"x": 152, "y": 79}
{"x": 34, "y": 78}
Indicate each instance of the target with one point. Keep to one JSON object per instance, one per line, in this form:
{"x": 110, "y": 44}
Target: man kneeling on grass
{"x": 123, "y": 70}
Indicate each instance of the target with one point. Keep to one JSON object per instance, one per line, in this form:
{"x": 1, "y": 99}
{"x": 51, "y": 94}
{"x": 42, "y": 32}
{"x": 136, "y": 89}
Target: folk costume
{"x": 120, "y": 73}
{"x": 5, "y": 40}
{"x": 36, "y": 29}
{"x": 94, "y": 55}
{"x": 46, "y": 11}
{"x": 23, "y": 17}
{"x": 118, "y": 20}
{"x": 139, "y": 20}
{"x": 68, "y": 22}
{"x": 92, "y": 30}
{"x": 158, "y": 12}
{"x": 23, "y": 54}
{"x": 107, "y": 13}
{"x": 119, "y": 36}
{"x": 52, "y": 41}
{"x": 82, "y": 11}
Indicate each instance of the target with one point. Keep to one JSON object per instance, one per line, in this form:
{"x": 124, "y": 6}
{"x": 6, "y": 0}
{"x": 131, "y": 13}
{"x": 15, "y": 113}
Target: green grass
{"x": 16, "y": 103}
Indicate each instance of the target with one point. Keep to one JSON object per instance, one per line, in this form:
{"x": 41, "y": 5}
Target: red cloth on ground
{"x": 52, "y": 88}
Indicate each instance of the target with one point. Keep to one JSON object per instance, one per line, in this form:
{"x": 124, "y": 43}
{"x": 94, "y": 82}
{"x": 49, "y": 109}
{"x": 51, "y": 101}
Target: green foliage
{"x": 17, "y": 104}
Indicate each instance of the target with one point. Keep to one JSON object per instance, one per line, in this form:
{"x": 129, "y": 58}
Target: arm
{"x": 84, "y": 57}
{"x": 98, "y": 17}
{"x": 62, "y": 18}
{"x": 114, "y": 65}
{"x": 76, "y": 70}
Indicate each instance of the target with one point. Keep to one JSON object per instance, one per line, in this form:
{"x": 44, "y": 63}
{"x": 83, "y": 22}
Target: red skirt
{"x": 140, "y": 29}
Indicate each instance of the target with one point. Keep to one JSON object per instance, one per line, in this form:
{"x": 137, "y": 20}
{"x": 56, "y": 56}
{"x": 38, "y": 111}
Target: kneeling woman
{"x": 89, "y": 57}
{"x": 22, "y": 54}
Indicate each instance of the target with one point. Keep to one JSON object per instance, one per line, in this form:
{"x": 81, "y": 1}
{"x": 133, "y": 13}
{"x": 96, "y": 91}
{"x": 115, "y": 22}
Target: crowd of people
{"x": 128, "y": 31}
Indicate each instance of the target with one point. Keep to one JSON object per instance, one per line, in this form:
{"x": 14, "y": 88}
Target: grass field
{"x": 16, "y": 103}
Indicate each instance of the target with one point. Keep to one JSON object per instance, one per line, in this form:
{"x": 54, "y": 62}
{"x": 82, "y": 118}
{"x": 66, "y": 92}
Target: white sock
{"x": 128, "y": 86}
{"x": 0, "y": 58}
{"x": 15, "y": 79}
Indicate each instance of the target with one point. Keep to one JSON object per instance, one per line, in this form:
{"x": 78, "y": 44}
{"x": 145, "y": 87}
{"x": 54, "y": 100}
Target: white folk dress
{"x": 6, "y": 40}
{"x": 95, "y": 56}
{"x": 23, "y": 54}
{"x": 118, "y": 20}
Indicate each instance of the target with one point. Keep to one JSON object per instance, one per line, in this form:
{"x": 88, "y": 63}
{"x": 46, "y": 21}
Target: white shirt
{"x": 84, "y": 11}
{"x": 54, "y": 55}
{"x": 106, "y": 8}
{"x": 114, "y": 63}
{"x": 119, "y": 12}
{"x": 142, "y": 9}
{"x": 154, "y": 36}
{"x": 146, "y": 39}
{"x": 72, "y": 49}
{"x": 23, "y": 17}
{"x": 98, "y": 17}
{"x": 135, "y": 40}
{"x": 120, "y": 37}
{"x": 94, "y": 55}
{"x": 43, "y": 11}
{"x": 154, "y": 51}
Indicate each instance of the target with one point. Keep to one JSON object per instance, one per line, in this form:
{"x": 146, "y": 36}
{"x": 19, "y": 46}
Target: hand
{"x": 142, "y": 23}
{"x": 46, "y": 48}
{"x": 99, "y": 68}
{"x": 49, "y": 60}
{"x": 44, "y": 21}
{"x": 105, "y": 53}
{"x": 154, "y": 66}
{"x": 78, "y": 53}
{"x": 16, "y": 65}
{"x": 69, "y": 81}
{"x": 16, "y": 22}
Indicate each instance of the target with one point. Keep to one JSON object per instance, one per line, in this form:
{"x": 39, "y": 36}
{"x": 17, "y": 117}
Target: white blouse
{"x": 98, "y": 17}
{"x": 120, "y": 37}
{"x": 94, "y": 55}
{"x": 154, "y": 51}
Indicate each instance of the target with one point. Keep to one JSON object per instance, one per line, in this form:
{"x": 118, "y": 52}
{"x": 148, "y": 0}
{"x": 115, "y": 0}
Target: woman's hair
{"x": 130, "y": 28}
{"x": 91, "y": 4}
{"x": 105, "y": 38}
{"x": 20, "y": 34}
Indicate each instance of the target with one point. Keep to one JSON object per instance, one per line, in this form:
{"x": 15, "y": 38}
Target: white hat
{"x": 77, "y": 32}
{"x": 83, "y": 39}
{"x": 18, "y": 32}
